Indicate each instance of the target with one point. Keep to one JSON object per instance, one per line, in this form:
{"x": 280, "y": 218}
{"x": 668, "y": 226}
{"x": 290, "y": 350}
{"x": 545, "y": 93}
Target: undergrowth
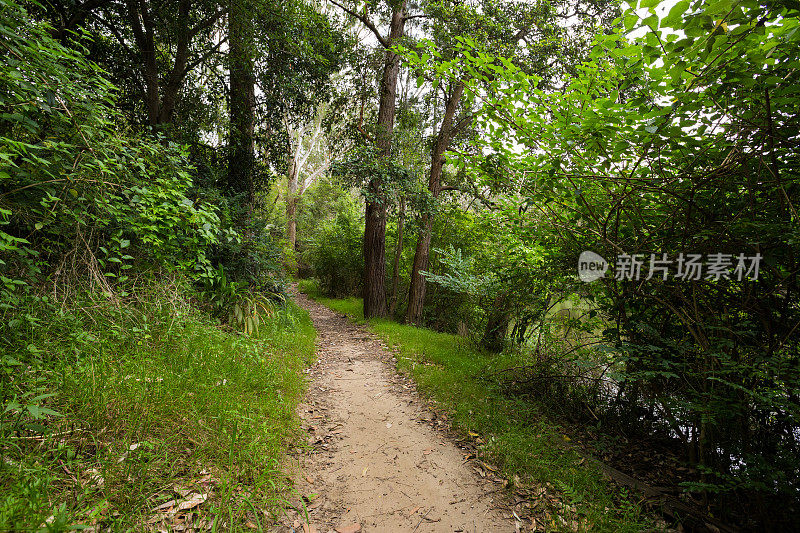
{"x": 513, "y": 433}
{"x": 113, "y": 410}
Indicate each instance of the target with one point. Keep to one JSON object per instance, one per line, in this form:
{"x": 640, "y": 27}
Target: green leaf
{"x": 675, "y": 14}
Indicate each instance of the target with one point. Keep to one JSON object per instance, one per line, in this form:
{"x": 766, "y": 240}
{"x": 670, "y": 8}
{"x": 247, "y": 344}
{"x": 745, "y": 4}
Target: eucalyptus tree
{"x": 281, "y": 56}
{"x": 530, "y": 35}
{"x": 395, "y": 13}
{"x": 149, "y": 48}
{"x": 311, "y": 148}
{"x": 675, "y": 153}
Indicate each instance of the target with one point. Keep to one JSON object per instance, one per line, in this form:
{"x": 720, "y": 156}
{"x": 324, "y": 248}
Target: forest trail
{"x": 376, "y": 462}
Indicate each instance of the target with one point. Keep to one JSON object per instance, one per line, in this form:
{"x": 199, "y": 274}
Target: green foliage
{"x": 364, "y": 166}
{"x": 150, "y": 396}
{"x": 114, "y": 393}
{"x": 673, "y": 142}
{"x": 79, "y": 196}
{"x": 239, "y": 304}
{"x": 334, "y": 255}
{"x": 255, "y": 258}
{"x": 508, "y": 278}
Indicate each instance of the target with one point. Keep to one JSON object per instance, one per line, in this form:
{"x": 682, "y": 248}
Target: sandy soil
{"x": 377, "y": 460}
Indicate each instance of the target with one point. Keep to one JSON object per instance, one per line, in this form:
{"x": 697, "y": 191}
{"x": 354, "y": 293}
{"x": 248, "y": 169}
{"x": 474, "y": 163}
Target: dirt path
{"x": 377, "y": 463}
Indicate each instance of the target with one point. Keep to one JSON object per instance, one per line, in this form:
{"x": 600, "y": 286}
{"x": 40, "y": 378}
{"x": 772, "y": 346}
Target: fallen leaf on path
{"x": 170, "y": 509}
{"x": 308, "y": 478}
{"x": 488, "y": 466}
{"x": 96, "y": 477}
{"x": 166, "y": 505}
{"x": 192, "y": 502}
{"x": 364, "y": 473}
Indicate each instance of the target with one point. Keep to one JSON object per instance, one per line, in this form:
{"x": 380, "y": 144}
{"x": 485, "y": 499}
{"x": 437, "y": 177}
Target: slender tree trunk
{"x": 291, "y": 200}
{"x": 143, "y": 34}
{"x": 71, "y": 21}
{"x": 398, "y": 252}
{"x": 416, "y": 293}
{"x": 242, "y": 101}
{"x": 176, "y": 76}
{"x": 494, "y": 336}
{"x": 152, "y": 94}
{"x": 159, "y": 101}
{"x": 375, "y": 217}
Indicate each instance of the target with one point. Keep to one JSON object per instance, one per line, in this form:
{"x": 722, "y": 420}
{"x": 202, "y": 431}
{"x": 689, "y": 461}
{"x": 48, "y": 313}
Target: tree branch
{"x": 191, "y": 66}
{"x": 207, "y": 23}
{"x": 368, "y": 23}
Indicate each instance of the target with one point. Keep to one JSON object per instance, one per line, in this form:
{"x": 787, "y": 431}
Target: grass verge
{"x": 512, "y": 433}
{"x": 148, "y": 415}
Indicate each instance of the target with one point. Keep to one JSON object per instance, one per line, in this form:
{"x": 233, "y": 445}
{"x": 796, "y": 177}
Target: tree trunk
{"x": 416, "y": 293}
{"x": 242, "y": 101}
{"x": 291, "y": 200}
{"x": 177, "y": 74}
{"x": 494, "y": 336}
{"x": 143, "y": 33}
{"x": 159, "y": 101}
{"x": 375, "y": 218}
{"x": 398, "y": 252}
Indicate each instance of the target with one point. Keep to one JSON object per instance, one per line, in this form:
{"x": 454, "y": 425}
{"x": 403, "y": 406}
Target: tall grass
{"x": 155, "y": 402}
{"x": 514, "y": 433}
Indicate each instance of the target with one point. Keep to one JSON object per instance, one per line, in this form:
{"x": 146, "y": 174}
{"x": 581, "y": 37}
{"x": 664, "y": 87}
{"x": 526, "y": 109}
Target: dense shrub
{"x": 335, "y": 256}
{"x": 640, "y": 155}
{"x": 80, "y": 196}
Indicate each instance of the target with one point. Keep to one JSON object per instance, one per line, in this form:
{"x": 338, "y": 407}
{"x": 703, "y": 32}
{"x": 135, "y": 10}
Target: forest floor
{"x": 379, "y": 459}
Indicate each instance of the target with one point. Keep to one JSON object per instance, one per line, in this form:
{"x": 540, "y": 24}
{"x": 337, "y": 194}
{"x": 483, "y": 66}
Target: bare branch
{"x": 207, "y": 23}
{"x": 202, "y": 59}
{"x": 368, "y": 23}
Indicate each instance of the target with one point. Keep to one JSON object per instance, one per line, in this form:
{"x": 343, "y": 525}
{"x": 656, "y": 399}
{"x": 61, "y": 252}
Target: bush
{"x": 80, "y": 196}
{"x": 335, "y": 254}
